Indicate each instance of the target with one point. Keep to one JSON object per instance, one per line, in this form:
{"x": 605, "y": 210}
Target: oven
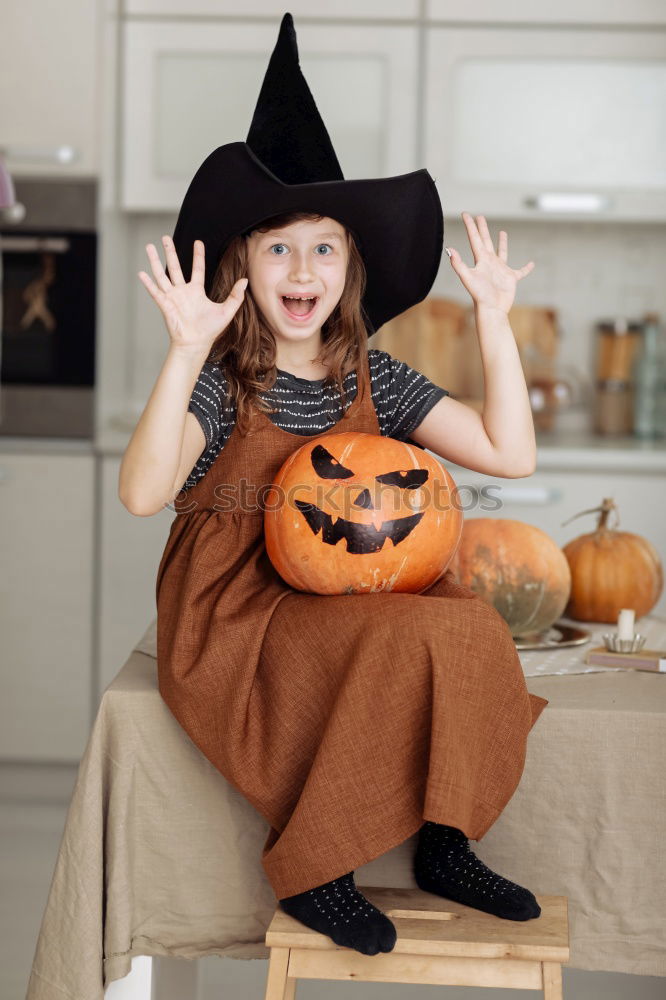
{"x": 48, "y": 278}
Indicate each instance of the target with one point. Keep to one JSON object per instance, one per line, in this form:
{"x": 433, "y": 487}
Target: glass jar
{"x": 617, "y": 344}
{"x": 649, "y": 377}
{"x": 613, "y": 411}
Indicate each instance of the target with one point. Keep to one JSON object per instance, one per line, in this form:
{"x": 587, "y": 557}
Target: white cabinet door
{"x": 398, "y": 10}
{"x": 49, "y": 86}
{"x": 46, "y": 605}
{"x": 559, "y": 123}
{"x": 189, "y": 87}
{"x": 130, "y": 552}
{"x": 546, "y": 499}
{"x": 601, "y": 12}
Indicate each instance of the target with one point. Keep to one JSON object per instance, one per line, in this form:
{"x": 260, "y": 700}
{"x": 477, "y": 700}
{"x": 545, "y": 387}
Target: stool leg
{"x": 279, "y": 986}
{"x": 551, "y": 973}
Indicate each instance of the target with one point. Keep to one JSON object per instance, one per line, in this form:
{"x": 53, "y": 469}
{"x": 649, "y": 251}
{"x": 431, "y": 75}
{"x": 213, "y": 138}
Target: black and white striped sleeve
{"x": 207, "y": 402}
{"x": 401, "y": 394}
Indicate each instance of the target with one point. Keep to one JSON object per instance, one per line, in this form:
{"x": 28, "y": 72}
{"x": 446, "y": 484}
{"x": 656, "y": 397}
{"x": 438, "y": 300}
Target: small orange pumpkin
{"x": 355, "y": 513}
{"x": 517, "y": 568}
{"x": 611, "y": 570}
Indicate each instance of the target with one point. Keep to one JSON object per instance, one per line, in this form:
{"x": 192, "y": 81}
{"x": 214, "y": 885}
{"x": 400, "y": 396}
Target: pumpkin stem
{"x": 604, "y": 509}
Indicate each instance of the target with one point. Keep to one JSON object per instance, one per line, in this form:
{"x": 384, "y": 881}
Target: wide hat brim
{"x": 397, "y": 222}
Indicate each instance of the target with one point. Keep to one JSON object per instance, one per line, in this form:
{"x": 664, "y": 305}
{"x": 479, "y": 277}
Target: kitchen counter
{"x": 582, "y": 449}
{"x": 19, "y": 445}
{"x": 559, "y": 449}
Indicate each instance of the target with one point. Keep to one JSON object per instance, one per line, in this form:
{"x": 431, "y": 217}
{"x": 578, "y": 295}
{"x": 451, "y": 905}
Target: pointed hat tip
{"x": 287, "y": 132}
{"x": 287, "y": 36}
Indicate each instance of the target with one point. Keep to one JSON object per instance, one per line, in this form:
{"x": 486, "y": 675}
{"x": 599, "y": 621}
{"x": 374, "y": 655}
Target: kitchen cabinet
{"x": 349, "y": 9}
{"x": 519, "y": 11}
{"x": 49, "y": 87}
{"x": 191, "y": 86}
{"x": 602, "y": 12}
{"x": 47, "y": 505}
{"x": 556, "y": 123}
{"x": 130, "y": 549}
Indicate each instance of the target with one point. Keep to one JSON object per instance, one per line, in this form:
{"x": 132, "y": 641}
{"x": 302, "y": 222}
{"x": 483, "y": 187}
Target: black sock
{"x": 445, "y": 865}
{"x": 339, "y": 910}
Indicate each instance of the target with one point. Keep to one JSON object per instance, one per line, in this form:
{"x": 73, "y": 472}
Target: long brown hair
{"x": 246, "y": 350}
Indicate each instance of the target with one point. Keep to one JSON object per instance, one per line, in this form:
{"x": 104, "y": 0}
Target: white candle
{"x": 625, "y": 623}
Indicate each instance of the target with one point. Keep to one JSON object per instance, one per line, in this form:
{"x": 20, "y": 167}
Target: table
{"x": 161, "y": 856}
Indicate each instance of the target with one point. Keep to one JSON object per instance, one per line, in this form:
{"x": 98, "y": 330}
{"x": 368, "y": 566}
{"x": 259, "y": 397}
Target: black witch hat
{"x": 287, "y": 162}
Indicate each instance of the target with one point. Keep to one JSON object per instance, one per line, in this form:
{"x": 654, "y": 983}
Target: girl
{"x": 347, "y": 721}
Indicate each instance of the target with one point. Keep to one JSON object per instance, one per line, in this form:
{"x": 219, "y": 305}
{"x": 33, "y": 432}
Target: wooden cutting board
{"x": 438, "y": 338}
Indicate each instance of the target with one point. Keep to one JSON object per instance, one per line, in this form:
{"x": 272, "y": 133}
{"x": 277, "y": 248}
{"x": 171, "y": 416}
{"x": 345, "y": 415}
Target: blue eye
{"x": 318, "y": 245}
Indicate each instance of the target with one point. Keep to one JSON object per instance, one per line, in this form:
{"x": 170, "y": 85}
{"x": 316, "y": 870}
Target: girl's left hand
{"x": 491, "y": 282}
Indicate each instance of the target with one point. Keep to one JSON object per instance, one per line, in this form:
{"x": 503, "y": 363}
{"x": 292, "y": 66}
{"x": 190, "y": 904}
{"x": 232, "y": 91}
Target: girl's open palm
{"x": 192, "y": 319}
{"x": 491, "y": 282}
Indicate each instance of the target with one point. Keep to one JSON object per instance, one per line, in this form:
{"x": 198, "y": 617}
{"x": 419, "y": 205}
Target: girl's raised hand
{"x": 491, "y": 282}
{"x": 192, "y": 319}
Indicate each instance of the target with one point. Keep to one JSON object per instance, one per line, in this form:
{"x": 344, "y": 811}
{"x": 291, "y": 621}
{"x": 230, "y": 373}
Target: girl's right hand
{"x": 192, "y": 319}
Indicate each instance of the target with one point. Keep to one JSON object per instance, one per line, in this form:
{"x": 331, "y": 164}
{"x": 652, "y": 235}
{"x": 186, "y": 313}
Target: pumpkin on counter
{"x": 611, "y": 570}
{"x": 517, "y": 568}
{"x": 355, "y": 513}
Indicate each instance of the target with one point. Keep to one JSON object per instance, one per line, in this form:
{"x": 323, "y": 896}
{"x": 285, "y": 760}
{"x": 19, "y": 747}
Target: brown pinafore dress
{"x": 346, "y": 721}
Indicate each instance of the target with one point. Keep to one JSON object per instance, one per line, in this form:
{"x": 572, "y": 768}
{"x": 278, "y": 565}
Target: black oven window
{"x": 47, "y": 302}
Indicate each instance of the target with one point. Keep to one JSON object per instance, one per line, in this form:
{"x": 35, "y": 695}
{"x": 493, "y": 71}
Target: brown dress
{"x": 346, "y": 721}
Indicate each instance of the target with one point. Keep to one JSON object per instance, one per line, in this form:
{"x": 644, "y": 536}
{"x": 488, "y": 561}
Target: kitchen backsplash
{"x": 586, "y": 271}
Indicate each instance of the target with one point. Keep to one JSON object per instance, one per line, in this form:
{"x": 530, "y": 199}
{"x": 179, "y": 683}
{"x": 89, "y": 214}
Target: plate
{"x": 557, "y": 636}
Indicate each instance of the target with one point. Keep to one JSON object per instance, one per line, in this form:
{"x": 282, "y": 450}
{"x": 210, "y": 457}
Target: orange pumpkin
{"x": 611, "y": 570}
{"x": 355, "y": 513}
{"x": 517, "y": 568}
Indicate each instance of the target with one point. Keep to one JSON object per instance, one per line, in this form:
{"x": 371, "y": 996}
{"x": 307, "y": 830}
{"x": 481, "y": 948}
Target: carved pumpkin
{"x": 355, "y": 513}
{"x": 517, "y": 568}
{"x": 611, "y": 570}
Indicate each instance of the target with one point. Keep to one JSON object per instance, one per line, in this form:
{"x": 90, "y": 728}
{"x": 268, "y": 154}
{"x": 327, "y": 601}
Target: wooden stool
{"x": 440, "y": 943}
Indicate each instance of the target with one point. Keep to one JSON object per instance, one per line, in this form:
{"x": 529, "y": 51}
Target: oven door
{"x": 47, "y": 332}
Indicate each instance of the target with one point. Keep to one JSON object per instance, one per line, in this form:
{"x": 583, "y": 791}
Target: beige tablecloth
{"x": 161, "y": 856}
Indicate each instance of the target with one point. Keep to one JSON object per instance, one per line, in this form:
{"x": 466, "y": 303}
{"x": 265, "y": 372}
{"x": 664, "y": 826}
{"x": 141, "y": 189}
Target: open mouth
{"x": 299, "y": 309}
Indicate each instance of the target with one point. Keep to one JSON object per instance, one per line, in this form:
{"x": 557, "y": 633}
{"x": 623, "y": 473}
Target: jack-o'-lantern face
{"x": 360, "y": 513}
{"x": 369, "y": 534}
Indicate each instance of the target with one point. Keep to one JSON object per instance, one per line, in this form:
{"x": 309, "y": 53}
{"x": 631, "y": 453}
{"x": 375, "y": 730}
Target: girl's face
{"x": 303, "y": 259}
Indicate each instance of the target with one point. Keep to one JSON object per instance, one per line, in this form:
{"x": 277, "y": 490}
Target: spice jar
{"x": 617, "y": 343}
{"x": 613, "y": 412}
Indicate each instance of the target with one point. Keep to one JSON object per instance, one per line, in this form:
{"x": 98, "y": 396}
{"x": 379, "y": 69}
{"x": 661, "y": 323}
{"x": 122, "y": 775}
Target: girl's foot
{"x": 445, "y": 865}
{"x": 340, "y": 911}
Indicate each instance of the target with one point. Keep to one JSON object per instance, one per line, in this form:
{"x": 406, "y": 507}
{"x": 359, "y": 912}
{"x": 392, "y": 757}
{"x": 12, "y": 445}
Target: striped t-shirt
{"x": 401, "y": 395}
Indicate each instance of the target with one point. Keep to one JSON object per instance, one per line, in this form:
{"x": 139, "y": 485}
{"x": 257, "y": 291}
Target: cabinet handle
{"x": 32, "y": 244}
{"x": 535, "y": 495}
{"x": 569, "y": 202}
{"x": 42, "y": 154}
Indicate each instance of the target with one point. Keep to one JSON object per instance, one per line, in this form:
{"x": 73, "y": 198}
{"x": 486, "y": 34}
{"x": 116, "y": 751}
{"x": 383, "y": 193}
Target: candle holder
{"x": 616, "y": 645}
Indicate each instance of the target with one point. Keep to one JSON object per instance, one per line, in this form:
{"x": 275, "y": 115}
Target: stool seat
{"x": 440, "y": 943}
